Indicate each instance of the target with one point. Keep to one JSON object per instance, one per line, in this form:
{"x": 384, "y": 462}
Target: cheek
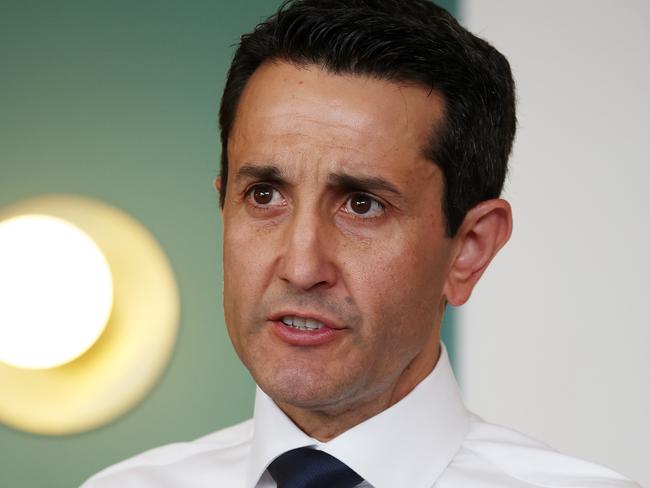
{"x": 239, "y": 290}
{"x": 248, "y": 257}
{"x": 400, "y": 287}
{"x": 246, "y": 248}
{"x": 400, "y": 269}
{"x": 237, "y": 266}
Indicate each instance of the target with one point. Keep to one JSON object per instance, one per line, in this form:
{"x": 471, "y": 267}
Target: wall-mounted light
{"x": 56, "y": 291}
{"x": 89, "y": 314}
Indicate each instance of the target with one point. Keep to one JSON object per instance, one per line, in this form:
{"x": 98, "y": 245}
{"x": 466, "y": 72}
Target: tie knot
{"x": 310, "y": 468}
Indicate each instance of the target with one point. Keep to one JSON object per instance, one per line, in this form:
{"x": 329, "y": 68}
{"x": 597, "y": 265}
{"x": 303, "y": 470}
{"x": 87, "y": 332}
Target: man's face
{"x": 333, "y": 222}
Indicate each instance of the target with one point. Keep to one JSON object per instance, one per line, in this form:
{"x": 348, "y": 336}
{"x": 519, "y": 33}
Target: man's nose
{"x": 306, "y": 260}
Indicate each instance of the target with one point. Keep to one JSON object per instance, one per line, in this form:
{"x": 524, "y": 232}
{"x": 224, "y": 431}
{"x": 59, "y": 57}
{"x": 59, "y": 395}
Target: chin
{"x": 306, "y": 390}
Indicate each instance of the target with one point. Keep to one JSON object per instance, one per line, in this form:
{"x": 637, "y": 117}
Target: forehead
{"x": 287, "y": 110}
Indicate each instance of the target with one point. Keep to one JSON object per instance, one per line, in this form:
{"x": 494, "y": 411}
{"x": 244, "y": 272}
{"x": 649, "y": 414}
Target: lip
{"x": 304, "y": 338}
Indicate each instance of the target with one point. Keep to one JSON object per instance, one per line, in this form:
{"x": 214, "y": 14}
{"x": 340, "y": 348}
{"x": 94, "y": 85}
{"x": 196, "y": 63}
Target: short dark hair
{"x": 411, "y": 41}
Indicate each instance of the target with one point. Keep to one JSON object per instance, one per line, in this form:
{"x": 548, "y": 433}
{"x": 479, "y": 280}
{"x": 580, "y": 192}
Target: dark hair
{"x": 405, "y": 41}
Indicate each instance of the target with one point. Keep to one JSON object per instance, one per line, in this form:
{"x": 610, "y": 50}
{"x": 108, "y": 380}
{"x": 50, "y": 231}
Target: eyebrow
{"x": 349, "y": 183}
{"x": 345, "y": 182}
{"x": 264, "y": 172}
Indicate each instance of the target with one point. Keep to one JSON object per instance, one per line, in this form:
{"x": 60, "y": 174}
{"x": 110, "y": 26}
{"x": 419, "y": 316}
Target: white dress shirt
{"x": 428, "y": 439}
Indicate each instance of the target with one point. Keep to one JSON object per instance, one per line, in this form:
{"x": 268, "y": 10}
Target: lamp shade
{"x": 112, "y": 365}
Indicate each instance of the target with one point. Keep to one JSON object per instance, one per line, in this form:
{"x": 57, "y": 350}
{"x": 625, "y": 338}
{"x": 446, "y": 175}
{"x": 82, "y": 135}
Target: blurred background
{"x": 555, "y": 339}
{"x": 118, "y": 101}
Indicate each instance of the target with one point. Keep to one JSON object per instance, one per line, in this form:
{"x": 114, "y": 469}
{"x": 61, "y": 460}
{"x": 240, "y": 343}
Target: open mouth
{"x": 302, "y": 323}
{"x": 304, "y": 330}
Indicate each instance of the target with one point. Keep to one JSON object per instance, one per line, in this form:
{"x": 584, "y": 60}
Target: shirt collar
{"x": 408, "y": 444}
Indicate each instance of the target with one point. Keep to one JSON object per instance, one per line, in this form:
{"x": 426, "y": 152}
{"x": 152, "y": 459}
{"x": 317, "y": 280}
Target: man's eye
{"x": 264, "y": 196}
{"x": 365, "y": 206}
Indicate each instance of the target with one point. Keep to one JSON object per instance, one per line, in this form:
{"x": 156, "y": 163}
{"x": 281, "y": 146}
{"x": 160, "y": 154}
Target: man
{"x": 365, "y": 144}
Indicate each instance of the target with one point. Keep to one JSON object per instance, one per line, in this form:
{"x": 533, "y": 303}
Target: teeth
{"x": 313, "y": 324}
{"x": 299, "y": 322}
{"x": 302, "y": 323}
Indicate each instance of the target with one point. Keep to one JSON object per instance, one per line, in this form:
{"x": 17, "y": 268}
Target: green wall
{"x": 118, "y": 101}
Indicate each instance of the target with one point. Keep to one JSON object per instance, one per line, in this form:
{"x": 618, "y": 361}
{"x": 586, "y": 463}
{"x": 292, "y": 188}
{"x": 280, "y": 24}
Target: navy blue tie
{"x": 309, "y": 468}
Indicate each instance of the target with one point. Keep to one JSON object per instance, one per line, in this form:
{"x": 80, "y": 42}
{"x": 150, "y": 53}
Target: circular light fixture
{"x": 56, "y": 292}
{"x": 98, "y": 376}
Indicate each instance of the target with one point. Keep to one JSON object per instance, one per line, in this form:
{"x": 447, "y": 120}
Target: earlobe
{"x": 485, "y": 230}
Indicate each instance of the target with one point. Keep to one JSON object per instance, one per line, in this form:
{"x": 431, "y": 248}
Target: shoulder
{"x": 219, "y": 458}
{"x": 506, "y": 458}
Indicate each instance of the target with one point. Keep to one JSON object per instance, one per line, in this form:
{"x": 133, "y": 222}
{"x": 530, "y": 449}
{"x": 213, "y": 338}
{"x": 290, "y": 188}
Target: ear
{"x": 485, "y": 230}
{"x": 217, "y": 184}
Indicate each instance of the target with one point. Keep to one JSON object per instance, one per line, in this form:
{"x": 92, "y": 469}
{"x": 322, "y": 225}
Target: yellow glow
{"x": 129, "y": 356}
{"x": 56, "y": 292}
